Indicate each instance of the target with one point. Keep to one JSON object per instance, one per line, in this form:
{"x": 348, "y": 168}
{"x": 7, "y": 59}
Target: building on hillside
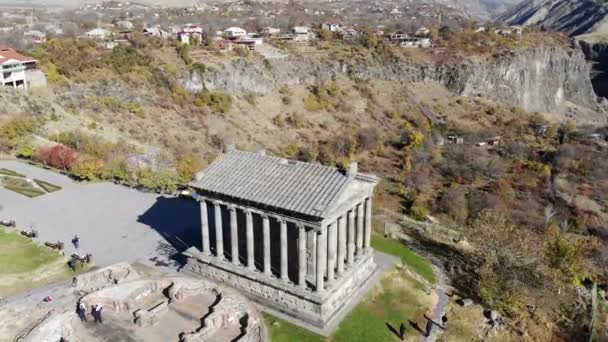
{"x": 34, "y": 36}
{"x": 422, "y": 32}
{"x": 124, "y": 24}
{"x": 331, "y": 27}
{"x": 251, "y": 40}
{"x": 455, "y": 139}
{"x": 416, "y": 42}
{"x": 349, "y": 33}
{"x": 234, "y": 33}
{"x": 301, "y": 33}
{"x": 270, "y": 31}
{"x": 293, "y": 236}
{"x": 191, "y": 34}
{"x": 19, "y": 71}
{"x": 397, "y": 37}
{"x": 98, "y": 34}
{"x": 156, "y": 31}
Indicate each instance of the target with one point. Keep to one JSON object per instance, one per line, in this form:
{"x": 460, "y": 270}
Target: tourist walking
{"x": 82, "y": 312}
{"x": 97, "y": 313}
{"x": 76, "y": 241}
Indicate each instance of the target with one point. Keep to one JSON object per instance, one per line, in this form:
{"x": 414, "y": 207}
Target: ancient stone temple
{"x": 293, "y": 236}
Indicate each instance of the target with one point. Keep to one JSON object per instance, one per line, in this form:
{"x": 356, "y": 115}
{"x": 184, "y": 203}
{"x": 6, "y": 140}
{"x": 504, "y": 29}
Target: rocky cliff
{"x": 573, "y": 17}
{"x": 537, "y": 79}
{"x": 596, "y": 51}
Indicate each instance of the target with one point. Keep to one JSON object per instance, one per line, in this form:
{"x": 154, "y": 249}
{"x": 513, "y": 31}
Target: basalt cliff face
{"x": 536, "y": 79}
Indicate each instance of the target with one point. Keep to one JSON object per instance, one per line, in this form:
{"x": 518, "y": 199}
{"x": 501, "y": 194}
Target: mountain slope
{"x": 484, "y": 9}
{"x": 573, "y": 17}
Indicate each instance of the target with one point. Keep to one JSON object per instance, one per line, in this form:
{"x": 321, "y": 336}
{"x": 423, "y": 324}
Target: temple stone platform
{"x": 319, "y": 312}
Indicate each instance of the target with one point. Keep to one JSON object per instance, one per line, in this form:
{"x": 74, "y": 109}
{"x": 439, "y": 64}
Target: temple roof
{"x": 299, "y": 187}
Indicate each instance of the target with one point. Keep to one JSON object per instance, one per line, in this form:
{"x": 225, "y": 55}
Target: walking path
{"x": 440, "y": 308}
{"x": 114, "y": 223}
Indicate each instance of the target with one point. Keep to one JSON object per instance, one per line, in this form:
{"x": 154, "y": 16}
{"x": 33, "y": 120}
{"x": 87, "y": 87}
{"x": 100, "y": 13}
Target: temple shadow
{"x": 178, "y": 221}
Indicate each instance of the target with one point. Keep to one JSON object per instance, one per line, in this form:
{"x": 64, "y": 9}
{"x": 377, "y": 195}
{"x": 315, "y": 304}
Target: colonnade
{"x": 338, "y": 243}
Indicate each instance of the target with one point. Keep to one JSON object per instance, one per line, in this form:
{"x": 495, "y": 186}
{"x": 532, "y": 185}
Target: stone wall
{"x": 312, "y": 308}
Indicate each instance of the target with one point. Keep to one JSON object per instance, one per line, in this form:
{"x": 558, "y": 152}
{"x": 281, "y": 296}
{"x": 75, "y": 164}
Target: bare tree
{"x": 549, "y": 213}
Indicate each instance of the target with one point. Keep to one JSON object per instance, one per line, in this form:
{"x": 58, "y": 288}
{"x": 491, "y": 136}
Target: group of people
{"x": 95, "y": 311}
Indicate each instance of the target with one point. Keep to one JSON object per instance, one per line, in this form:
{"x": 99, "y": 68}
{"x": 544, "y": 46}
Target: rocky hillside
{"x": 586, "y": 20}
{"x": 540, "y": 78}
{"x": 573, "y": 17}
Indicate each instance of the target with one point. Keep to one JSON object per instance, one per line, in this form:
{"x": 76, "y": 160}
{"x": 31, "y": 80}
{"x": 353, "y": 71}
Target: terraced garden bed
{"x": 18, "y": 183}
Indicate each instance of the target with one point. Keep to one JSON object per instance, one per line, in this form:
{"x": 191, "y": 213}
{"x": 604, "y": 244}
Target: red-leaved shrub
{"x": 59, "y": 156}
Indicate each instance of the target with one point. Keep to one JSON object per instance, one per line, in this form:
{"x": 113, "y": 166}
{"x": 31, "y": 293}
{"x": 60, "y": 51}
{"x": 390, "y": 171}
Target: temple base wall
{"x": 307, "y": 308}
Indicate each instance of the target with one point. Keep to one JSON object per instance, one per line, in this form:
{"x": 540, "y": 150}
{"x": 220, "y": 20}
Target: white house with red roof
{"x": 15, "y": 68}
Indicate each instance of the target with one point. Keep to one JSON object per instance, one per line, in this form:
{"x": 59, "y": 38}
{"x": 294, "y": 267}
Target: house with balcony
{"x": 19, "y": 71}
{"x": 191, "y": 34}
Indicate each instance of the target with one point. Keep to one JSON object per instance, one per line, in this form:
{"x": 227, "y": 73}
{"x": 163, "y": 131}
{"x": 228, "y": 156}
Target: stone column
{"x": 321, "y": 258}
{"x": 368, "y": 224}
{"x": 341, "y": 243}
{"x": 284, "y": 275}
{"x": 266, "y": 232}
{"x": 302, "y": 256}
{"x": 359, "y": 228}
{"x": 332, "y": 243}
{"x": 204, "y": 228}
{"x": 219, "y": 239}
{"x": 234, "y": 236}
{"x": 249, "y": 223}
{"x": 350, "y": 249}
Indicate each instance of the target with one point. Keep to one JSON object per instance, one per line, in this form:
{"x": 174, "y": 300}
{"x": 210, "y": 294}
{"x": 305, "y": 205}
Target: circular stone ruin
{"x": 172, "y": 308}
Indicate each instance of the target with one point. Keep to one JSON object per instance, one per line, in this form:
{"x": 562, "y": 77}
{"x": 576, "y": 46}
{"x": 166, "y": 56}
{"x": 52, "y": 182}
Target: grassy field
{"x": 25, "y": 265}
{"x": 19, "y": 254}
{"x": 397, "y": 299}
{"x": 408, "y": 257}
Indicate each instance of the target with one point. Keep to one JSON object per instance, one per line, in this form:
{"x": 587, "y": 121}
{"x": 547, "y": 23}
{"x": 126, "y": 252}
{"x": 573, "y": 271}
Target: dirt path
{"x": 440, "y": 307}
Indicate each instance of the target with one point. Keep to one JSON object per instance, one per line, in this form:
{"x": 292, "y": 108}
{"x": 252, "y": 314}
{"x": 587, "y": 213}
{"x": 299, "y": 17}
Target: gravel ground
{"x": 114, "y": 223}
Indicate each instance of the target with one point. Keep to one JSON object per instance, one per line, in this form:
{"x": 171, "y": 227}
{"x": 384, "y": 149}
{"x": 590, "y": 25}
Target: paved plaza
{"x": 114, "y": 223}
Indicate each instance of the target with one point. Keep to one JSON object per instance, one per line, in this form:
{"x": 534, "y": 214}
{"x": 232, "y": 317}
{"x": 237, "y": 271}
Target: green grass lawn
{"x": 408, "y": 257}
{"x": 18, "y": 254}
{"x": 396, "y": 299}
{"x": 26, "y": 265}
{"x": 280, "y": 330}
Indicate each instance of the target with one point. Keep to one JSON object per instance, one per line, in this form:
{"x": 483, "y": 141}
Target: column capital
{"x": 264, "y": 216}
{"x": 216, "y": 202}
{"x": 247, "y": 211}
{"x": 231, "y": 207}
{"x": 321, "y": 230}
{"x": 281, "y": 219}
